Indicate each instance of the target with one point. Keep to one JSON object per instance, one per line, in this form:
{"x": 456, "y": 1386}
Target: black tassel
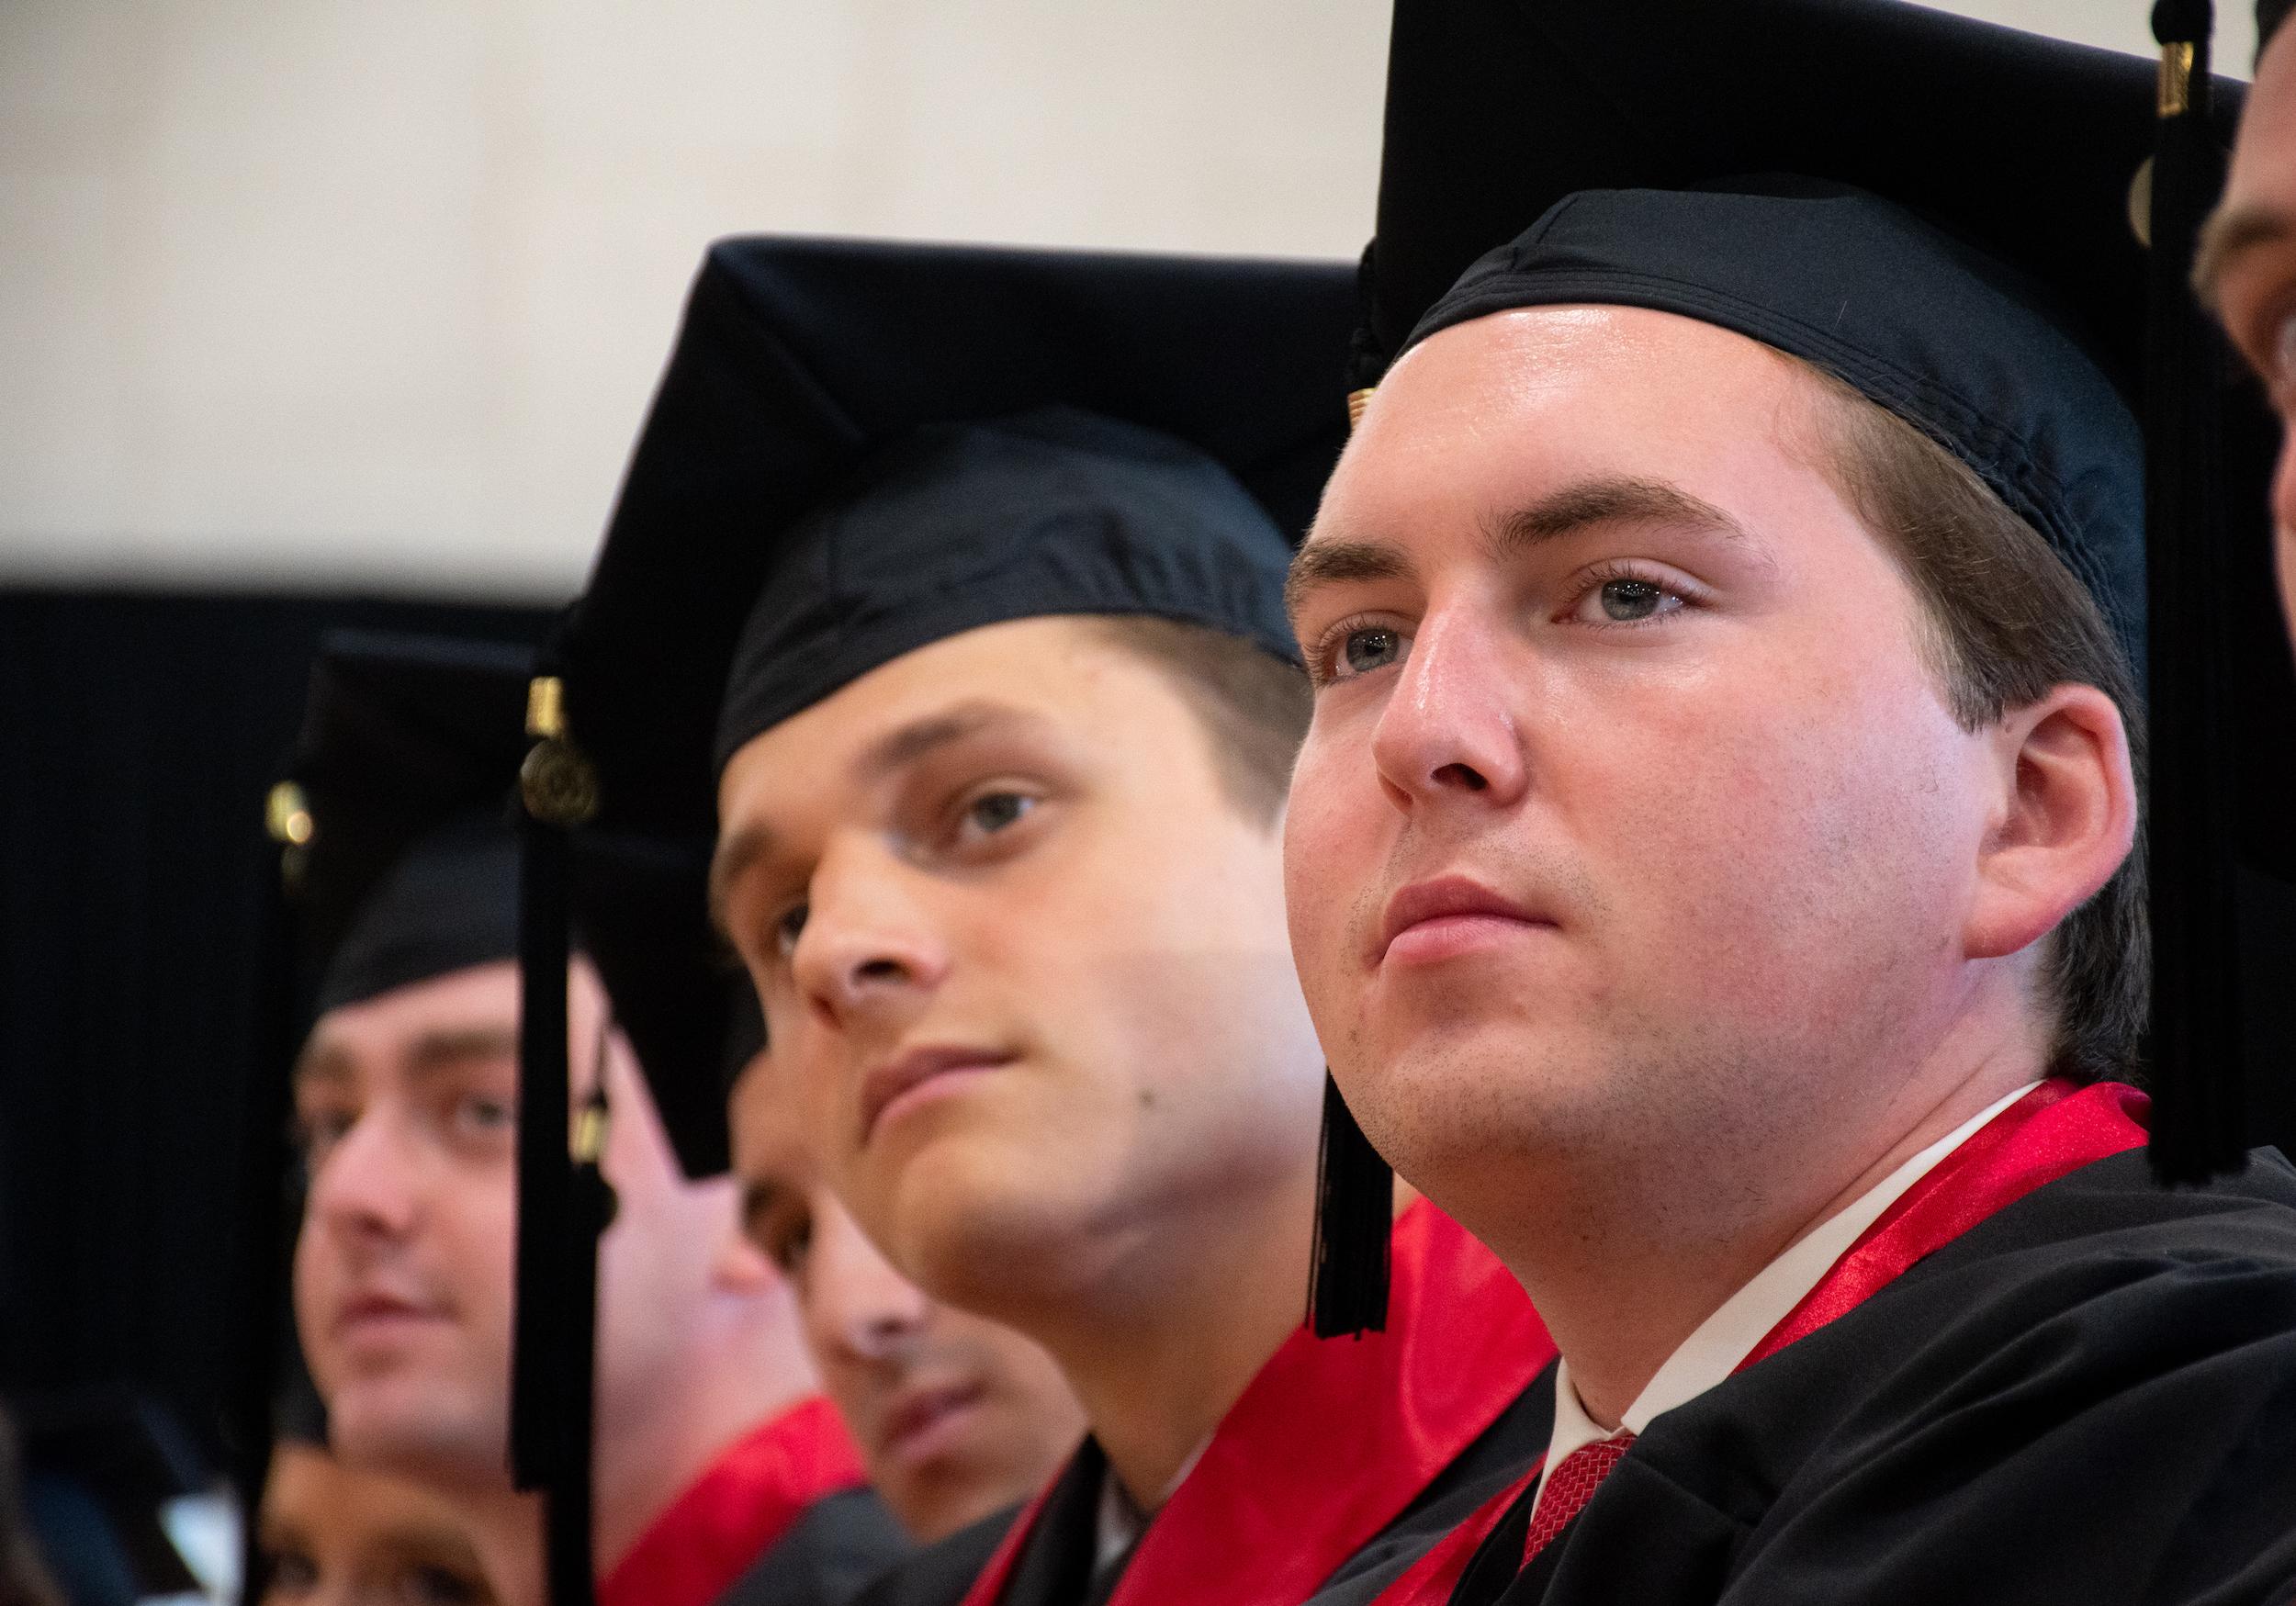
{"x": 560, "y": 1211}
{"x": 544, "y": 1180}
{"x": 2193, "y": 1053}
{"x": 1355, "y": 1218}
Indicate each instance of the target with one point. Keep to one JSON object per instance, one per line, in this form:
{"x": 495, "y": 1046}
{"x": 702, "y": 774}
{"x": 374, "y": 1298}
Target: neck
{"x": 1629, "y": 1255}
{"x": 1178, "y": 1331}
{"x": 732, "y": 1381}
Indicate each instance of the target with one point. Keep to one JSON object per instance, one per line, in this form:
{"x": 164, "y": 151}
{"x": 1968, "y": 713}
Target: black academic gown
{"x": 2088, "y": 1397}
{"x": 1292, "y": 1501}
{"x": 842, "y": 1542}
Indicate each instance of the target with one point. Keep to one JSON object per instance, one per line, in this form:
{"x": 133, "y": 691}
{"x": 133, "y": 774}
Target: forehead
{"x": 1512, "y": 399}
{"x": 1055, "y": 676}
{"x": 474, "y": 999}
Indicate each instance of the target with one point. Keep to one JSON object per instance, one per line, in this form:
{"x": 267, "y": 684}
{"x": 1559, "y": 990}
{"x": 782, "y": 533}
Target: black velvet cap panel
{"x": 407, "y": 758}
{"x": 1911, "y": 319}
{"x": 801, "y": 363}
{"x": 2270, "y": 14}
{"x": 450, "y": 902}
{"x": 957, "y": 526}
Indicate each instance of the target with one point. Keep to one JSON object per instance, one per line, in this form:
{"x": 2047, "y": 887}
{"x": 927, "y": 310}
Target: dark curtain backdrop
{"x": 138, "y": 734}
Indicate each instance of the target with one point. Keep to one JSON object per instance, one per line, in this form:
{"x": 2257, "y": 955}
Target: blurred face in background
{"x": 957, "y": 1417}
{"x": 407, "y": 1106}
{"x": 331, "y": 1537}
{"x": 2248, "y": 265}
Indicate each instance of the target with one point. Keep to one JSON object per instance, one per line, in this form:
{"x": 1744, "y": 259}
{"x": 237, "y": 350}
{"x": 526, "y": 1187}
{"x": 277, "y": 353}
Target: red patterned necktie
{"x": 1568, "y": 1489}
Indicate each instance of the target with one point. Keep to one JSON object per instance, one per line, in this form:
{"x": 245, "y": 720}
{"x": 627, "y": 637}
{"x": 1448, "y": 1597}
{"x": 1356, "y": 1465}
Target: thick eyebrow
{"x": 2229, "y": 235}
{"x": 421, "y": 1541}
{"x": 895, "y": 750}
{"x": 318, "y": 1065}
{"x": 1609, "y": 501}
{"x": 440, "y": 1050}
{"x": 904, "y": 746}
{"x": 1339, "y": 563}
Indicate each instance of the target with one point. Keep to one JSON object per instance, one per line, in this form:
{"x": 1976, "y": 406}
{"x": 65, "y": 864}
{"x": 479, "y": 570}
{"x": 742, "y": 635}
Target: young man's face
{"x": 1632, "y": 811}
{"x": 403, "y": 1275}
{"x": 1023, "y": 958}
{"x": 2248, "y": 266}
{"x": 331, "y": 1536}
{"x": 956, "y": 1416}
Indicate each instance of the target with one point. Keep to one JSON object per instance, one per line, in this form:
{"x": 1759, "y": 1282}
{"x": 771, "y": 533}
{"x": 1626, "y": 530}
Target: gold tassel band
{"x": 2175, "y": 79}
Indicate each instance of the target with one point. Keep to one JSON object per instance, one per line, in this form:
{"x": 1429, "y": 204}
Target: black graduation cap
{"x": 401, "y": 862}
{"x": 859, "y": 448}
{"x": 1944, "y": 214}
{"x": 2270, "y": 14}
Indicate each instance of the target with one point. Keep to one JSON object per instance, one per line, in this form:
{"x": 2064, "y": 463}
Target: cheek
{"x": 1336, "y": 833}
{"x": 473, "y": 1242}
{"x": 1758, "y": 829}
{"x": 314, "y": 1284}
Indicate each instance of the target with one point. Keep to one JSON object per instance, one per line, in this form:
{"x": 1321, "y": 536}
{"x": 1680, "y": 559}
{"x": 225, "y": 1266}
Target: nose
{"x": 1447, "y": 733}
{"x": 366, "y": 1185}
{"x": 867, "y": 951}
{"x": 857, "y": 1307}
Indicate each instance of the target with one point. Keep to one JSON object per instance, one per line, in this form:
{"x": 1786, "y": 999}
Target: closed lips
{"x": 361, "y": 1308}
{"x": 1446, "y": 897}
{"x": 889, "y": 1081}
{"x": 922, "y": 1408}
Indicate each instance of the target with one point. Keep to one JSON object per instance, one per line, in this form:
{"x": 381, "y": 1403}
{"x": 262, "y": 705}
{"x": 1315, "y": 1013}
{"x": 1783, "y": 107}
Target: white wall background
{"x": 372, "y": 293}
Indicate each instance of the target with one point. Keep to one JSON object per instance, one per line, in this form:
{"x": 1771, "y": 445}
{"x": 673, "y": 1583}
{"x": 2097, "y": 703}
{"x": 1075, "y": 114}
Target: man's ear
{"x": 2065, "y": 818}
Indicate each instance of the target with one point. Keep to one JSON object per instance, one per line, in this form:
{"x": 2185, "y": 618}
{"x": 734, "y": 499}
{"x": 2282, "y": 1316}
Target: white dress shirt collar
{"x": 1726, "y": 1338}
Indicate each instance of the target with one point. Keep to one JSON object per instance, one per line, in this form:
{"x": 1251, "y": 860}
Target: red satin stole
{"x": 734, "y": 1512}
{"x": 1333, "y": 1438}
{"x": 2050, "y": 1132}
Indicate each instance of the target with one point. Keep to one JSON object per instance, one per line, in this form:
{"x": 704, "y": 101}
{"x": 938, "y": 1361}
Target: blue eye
{"x": 483, "y": 1116}
{"x": 1625, "y": 599}
{"x": 1375, "y": 647}
{"x": 1629, "y": 600}
{"x": 993, "y": 812}
{"x": 492, "y": 1112}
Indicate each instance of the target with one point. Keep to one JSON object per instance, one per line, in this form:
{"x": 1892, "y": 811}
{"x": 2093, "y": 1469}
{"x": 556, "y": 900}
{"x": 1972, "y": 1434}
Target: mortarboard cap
{"x": 1939, "y": 213}
{"x": 2270, "y": 14}
{"x": 861, "y": 448}
{"x": 800, "y": 361}
{"x": 395, "y": 819}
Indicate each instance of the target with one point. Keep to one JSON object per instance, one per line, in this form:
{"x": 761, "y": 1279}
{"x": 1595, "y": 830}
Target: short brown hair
{"x": 1253, "y": 705}
{"x": 2007, "y": 622}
